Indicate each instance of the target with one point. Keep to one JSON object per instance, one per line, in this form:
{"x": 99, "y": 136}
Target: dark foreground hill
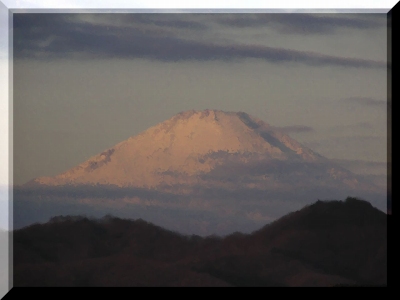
{"x": 198, "y": 172}
{"x": 325, "y": 244}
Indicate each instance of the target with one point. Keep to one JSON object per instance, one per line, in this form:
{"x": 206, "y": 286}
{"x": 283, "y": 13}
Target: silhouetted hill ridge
{"x": 323, "y": 244}
{"x": 208, "y": 172}
{"x": 329, "y": 213}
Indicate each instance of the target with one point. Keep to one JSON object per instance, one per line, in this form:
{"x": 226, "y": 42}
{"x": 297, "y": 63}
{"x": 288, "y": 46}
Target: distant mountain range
{"x": 336, "y": 243}
{"x": 200, "y": 172}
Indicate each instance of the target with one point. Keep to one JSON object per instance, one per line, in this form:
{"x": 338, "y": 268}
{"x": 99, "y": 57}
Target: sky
{"x": 84, "y": 82}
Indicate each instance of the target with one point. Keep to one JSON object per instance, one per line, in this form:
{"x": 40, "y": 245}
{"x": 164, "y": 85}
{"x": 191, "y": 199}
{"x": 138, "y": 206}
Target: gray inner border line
{"x": 163, "y": 10}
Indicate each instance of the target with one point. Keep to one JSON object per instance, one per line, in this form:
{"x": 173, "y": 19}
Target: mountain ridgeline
{"x": 200, "y": 148}
{"x": 200, "y": 172}
{"x": 335, "y": 243}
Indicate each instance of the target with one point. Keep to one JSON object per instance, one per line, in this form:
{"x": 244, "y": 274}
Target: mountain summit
{"x": 206, "y": 148}
{"x": 200, "y": 172}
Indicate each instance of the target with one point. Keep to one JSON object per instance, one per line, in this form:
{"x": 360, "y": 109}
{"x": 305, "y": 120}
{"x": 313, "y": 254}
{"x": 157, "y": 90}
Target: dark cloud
{"x": 360, "y": 138}
{"x": 165, "y": 20}
{"x": 367, "y": 101}
{"x": 304, "y": 23}
{"x": 364, "y": 167}
{"x": 295, "y": 129}
{"x": 361, "y": 163}
{"x": 60, "y": 36}
{"x": 360, "y": 125}
{"x": 170, "y": 20}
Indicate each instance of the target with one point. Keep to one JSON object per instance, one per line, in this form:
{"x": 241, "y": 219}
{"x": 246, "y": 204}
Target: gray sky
{"x": 84, "y": 82}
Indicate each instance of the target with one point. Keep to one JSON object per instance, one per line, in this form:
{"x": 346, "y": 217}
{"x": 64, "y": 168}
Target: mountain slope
{"x": 199, "y": 172}
{"x": 203, "y": 148}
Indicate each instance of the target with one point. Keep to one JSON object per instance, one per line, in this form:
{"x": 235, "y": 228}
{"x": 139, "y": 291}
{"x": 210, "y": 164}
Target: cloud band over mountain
{"x": 46, "y": 36}
{"x": 302, "y": 23}
{"x": 295, "y": 129}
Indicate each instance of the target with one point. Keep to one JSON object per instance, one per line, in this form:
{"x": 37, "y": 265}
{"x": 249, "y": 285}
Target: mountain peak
{"x": 201, "y": 113}
{"x": 183, "y": 148}
{"x": 214, "y": 114}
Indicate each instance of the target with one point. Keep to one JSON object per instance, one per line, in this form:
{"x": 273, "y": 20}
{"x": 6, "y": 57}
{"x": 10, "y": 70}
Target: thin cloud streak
{"x": 303, "y": 23}
{"x": 295, "y": 129}
{"x": 366, "y": 101}
{"x": 50, "y": 36}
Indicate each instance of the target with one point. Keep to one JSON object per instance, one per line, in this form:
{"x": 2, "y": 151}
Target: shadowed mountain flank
{"x": 324, "y": 244}
{"x": 202, "y": 172}
{"x": 188, "y": 148}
